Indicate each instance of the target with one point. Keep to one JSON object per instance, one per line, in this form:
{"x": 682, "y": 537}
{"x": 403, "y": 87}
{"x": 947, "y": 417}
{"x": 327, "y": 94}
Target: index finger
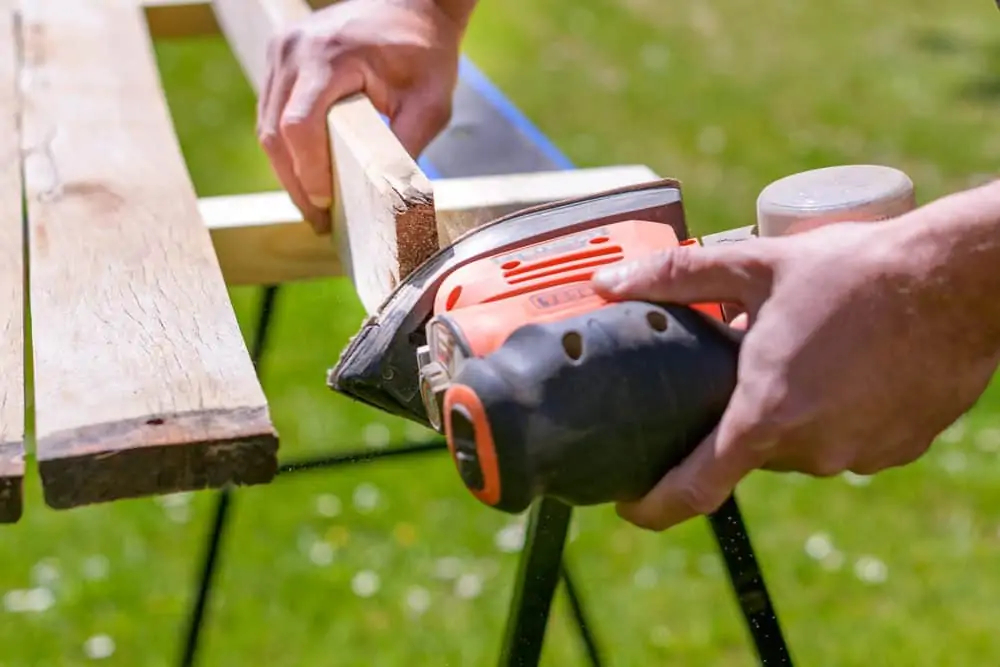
{"x": 303, "y": 125}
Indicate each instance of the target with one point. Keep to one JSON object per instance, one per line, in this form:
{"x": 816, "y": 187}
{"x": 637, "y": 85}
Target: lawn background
{"x": 394, "y": 563}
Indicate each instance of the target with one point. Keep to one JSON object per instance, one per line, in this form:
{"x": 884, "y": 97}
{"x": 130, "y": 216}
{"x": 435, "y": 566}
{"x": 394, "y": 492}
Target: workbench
{"x": 114, "y": 274}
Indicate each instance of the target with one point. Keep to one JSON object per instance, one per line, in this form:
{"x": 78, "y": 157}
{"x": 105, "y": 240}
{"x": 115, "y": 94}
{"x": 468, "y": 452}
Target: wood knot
{"x": 98, "y": 195}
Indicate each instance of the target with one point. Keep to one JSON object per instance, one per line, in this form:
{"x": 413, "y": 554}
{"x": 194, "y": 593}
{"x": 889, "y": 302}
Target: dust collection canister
{"x": 847, "y": 193}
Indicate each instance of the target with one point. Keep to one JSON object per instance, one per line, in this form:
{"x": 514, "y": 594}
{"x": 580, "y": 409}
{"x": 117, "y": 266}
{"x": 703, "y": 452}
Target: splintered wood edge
{"x": 131, "y": 459}
{"x": 260, "y": 238}
{"x": 384, "y": 222}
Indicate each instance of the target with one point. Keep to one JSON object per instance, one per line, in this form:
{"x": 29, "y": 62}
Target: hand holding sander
{"x": 543, "y": 388}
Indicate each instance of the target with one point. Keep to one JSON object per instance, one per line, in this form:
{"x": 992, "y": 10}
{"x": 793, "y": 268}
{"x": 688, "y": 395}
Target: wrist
{"x": 951, "y": 249}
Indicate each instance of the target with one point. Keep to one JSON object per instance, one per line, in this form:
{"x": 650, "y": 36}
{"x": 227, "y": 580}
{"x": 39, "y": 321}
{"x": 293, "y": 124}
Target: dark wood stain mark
{"x": 155, "y": 455}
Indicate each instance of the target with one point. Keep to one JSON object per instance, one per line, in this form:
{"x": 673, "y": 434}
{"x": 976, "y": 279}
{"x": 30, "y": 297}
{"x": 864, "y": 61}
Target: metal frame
{"x": 485, "y": 123}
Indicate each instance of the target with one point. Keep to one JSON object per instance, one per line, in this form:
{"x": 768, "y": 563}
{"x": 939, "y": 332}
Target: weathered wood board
{"x": 11, "y": 280}
{"x": 143, "y": 383}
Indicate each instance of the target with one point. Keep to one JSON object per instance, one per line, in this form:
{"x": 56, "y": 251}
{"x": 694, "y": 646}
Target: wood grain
{"x": 11, "y": 281}
{"x": 143, "y": 383}
{"x": 383, "y": 210}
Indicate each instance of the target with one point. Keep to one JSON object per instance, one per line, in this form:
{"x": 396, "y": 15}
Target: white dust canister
{"x": 846, "y": 193}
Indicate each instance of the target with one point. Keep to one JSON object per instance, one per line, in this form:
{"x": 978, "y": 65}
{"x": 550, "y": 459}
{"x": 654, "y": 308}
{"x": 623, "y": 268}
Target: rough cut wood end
{"x": 416, "y": 234}
{"x": 159, "y": 455}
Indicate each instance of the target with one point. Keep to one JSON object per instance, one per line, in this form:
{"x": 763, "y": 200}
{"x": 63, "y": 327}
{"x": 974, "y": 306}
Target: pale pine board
{"x": 11, "y": 282}
{"x": 143, "y": 382}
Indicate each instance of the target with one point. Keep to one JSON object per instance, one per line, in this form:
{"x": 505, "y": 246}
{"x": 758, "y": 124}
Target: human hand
{"x": 403, "y": 55}
{"x": 858, "y": 353}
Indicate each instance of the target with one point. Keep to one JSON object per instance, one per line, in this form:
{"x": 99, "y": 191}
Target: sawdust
{"x": 416, "y": 233}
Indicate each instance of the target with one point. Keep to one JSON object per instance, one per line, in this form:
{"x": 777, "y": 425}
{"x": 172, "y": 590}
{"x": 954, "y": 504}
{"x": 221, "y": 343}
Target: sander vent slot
{"x": 521, "y": 272}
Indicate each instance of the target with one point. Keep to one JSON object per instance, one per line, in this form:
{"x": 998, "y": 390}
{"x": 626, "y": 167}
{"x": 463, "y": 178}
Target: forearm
{"x": 955, "y": 242}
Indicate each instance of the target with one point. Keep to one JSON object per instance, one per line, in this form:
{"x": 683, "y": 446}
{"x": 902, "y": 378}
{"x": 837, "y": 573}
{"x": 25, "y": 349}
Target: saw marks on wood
{"x": 11, "y": 281}
{"x": 143, "y": 383}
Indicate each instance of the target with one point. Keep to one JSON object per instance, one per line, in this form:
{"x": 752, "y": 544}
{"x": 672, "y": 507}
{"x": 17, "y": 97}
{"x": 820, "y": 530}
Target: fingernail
{"x": 320, "y": 202}
{"x": 655, "y": 519}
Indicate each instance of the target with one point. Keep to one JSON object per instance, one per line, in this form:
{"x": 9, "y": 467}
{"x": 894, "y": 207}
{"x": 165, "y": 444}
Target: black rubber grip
{"x": 596, "y": 408}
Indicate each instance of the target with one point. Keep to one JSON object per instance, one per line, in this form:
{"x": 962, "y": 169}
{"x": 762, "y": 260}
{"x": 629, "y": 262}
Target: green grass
{"x": 724, "y": 95}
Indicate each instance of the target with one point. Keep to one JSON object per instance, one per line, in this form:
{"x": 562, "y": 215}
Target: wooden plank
{"x": 11, "y": 281}
{"x": 465, "y": 203}
{"x": 383, "y": 209}
{"x": 260, "y": 238}
{"x": 143, "y": 383}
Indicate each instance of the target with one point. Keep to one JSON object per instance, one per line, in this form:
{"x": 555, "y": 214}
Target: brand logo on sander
{"x": 545, "y": 249}
{"x": 562, "y": 295}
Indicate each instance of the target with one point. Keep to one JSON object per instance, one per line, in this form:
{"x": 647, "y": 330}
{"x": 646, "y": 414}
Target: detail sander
{"x": 541, "y": 387}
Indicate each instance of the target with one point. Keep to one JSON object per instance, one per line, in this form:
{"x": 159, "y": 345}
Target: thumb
{"x": 706, "y": 478}
{"x": 735, "y": 273}
{"x": 421, "y": 116}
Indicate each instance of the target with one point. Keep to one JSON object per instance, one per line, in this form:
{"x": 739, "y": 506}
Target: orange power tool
{"x": 541, "y": 387}
{"x": 544, "y": 388}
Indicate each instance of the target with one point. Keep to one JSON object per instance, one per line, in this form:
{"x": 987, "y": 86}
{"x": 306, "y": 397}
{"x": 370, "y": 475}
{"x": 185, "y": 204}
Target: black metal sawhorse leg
{"x": 196, "y": 618}
{"x": 541, "y": 561}
{"x": 538, "y": 576}
{"x": 539, "y": 570}
{"x": 748, "y": 583}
